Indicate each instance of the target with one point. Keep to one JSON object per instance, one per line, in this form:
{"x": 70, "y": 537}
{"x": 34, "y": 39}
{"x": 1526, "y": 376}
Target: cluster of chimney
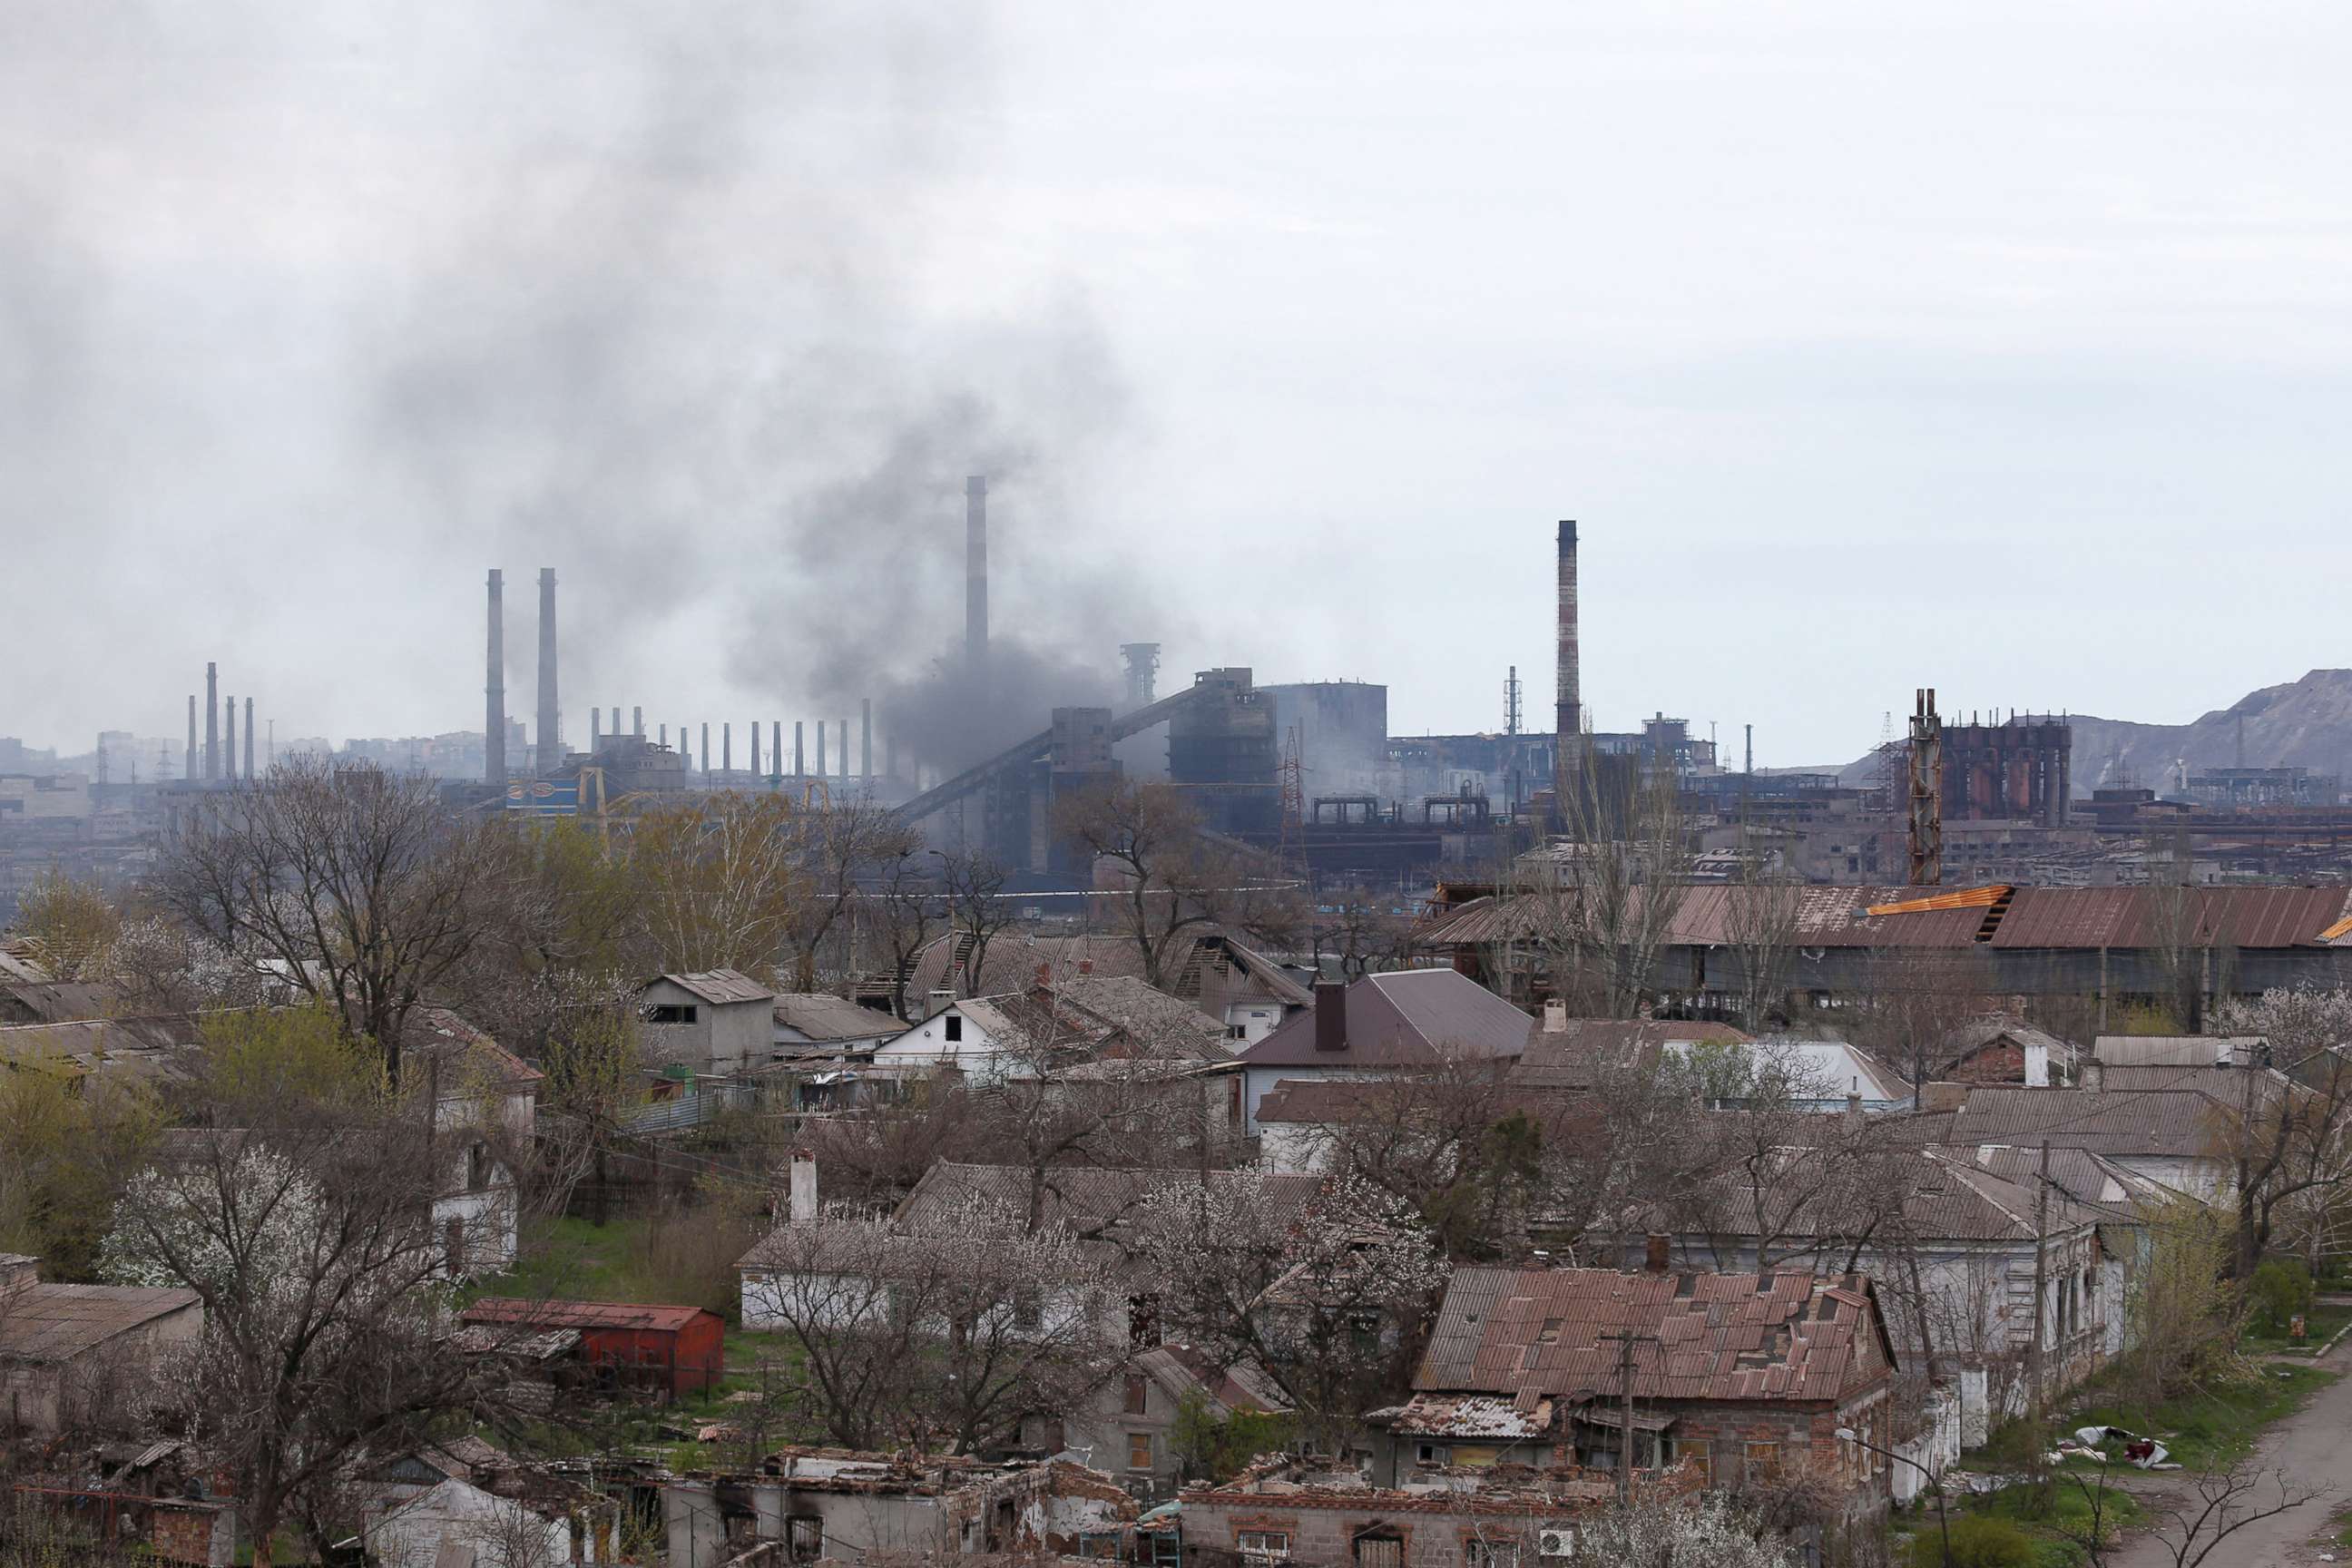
{"x": 220, "y": 761}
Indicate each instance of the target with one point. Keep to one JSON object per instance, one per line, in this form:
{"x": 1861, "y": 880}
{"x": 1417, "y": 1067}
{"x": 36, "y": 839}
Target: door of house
{"x": 1380, "y": 1549}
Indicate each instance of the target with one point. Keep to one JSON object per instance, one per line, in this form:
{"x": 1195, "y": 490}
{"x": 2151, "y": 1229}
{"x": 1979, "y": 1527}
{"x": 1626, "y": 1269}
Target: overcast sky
{"x": 2000, "y": 348}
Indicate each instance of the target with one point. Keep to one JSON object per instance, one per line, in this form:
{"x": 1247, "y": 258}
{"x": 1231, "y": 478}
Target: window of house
{"x": 1432, "y": 1454}
{"x": 1263, "y": 1548}
{"x": 1028, "y": 1309}
{"x": 953, "y": 1025}
{"x": 1138, "y": 1450}
{"x": 1761, "y": 1458}
{"x": 453, "y": 1245}
{"x": 1143, "y": 1319}
{"x": 1490, "y": 1554}
{"x": 477, "y": 1167}
{"x": 1139, "y": 1394}
{"x": 671, "y": 1013}
{"x": 1697, "y": 1451}
{"x": 805, "y": 1537}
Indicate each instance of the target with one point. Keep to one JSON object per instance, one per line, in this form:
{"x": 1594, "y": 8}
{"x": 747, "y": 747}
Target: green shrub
{"x": 1977, "y": 1542}
{"x": 2280, "y": 1291}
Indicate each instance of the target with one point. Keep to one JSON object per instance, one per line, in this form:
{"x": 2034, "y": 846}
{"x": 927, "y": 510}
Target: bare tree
{"x": 911, "y": 906}
{"x": 2220, "y": 1503}
{"x": 977, "y": 911}
{"x": 357, "y": 886}
{"x": 2287, "y": 1142}
{"x": 1361, "y": 931}
{"x": 312, "y": 1253}
{"x": 938, "y": 1335}
{"x": 1457, "y": 1144}
{"x": 724, "y": 882}
{"x": 1763, "y": 911}
{"x": 1332, "y": 1302}
{"x": 1603, "y": 905}
{"x": 832, "y": 849}
{"x": 72, "y": 925}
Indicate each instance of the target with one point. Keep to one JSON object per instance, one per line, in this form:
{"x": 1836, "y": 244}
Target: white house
{"x": 459, "y": 1525}
{"x": 485, "y": 1115}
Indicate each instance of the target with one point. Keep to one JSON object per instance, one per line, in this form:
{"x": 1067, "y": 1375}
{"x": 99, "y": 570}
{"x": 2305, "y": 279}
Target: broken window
{"x": 1139, "y": 1394}
{"x": 1490, "y": 1554}
{"x": 953, "y": 1025}
{"x": 671, "y": 1013}
{"x": 1263, "y": 1548}
{"x": 1138, "y": 1450}
{"x": 805, "y": 1537}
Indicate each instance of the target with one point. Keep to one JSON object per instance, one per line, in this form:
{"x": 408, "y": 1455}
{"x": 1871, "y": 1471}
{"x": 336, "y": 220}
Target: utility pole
{"x": 1626, "y": 1339}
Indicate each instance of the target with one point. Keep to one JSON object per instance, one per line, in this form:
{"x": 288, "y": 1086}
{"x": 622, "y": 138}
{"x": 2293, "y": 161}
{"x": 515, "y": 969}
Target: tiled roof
{"x": 1524, "y": 1334}
{"x": 1408, "y": 1017}
{"x": 57, "y": 1322}
{"x": 720, "y": 986}
{"x": 560, "y": 1314}
{"x": 824, "y": 1017}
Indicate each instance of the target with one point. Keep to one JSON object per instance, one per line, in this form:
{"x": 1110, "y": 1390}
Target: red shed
{"x": 680, "y": 1348}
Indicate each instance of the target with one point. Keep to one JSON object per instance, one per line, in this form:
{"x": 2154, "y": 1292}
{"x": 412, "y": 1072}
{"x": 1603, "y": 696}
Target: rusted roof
{"x": 57, "y": 1322}
{"x": 1408, "y": 1017}
{"x": 559, "y": 1314}
{"x": 720, "y": 986}
{"x": 2152, "y": 917}
{"x": 1767, "y": 1336}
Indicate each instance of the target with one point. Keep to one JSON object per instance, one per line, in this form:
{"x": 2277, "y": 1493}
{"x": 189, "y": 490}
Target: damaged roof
{"x": 57, "y": 1322}
{"x": 820, "y": 1016}
{"x": 1528, "y": 1334}
{"x": 719, "y": 986}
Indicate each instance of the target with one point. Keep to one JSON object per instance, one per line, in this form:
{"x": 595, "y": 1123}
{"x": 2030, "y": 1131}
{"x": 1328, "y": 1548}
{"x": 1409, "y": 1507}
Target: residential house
{"x": 73, "y": 1356}
{"x": 1128, "y": 1427}
{"x": 1954, "y": 1247}
{"x": 1405, "y": 1021}
{"x": 2002, "y": 1048}
{"x": 486, "y": 1119}
{"x": 458, "y": 1524}
{"x": 1569, "y": 1053}
{"x": 2181, "y": 1050}
{"x": 1289, "y": 1510}
{"x": 716, "y": 1023}
{"x": 1235, "y": 986}
{"x": 1052, "y": 1025}
{"x": 1807, "y": 1074}
{"x": 846, "y": 1506}
{"x": 1739, "y": 1376}
{"x": 675, "y": 1350}
{"x": 2178, "y": 1137}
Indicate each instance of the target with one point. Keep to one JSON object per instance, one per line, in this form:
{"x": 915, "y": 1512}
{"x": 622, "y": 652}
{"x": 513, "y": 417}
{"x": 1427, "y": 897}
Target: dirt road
{"x": 2315, "y": 1447}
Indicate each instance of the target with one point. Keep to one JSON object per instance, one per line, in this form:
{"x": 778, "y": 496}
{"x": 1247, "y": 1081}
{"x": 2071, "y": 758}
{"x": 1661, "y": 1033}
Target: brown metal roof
{"x": 1410, "y": 1017}
{"x": 1768, "y": 1336}
{"x": 2147, "y": 917}
{"x": 560, "y": 1314}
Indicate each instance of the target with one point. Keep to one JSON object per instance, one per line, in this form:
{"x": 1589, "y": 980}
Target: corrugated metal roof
{"x": 720, "y": 986}
{"x": 2168, "y": 1123}
{"x": 824, "y": 1017}
{"x": 1767, "y": 1336}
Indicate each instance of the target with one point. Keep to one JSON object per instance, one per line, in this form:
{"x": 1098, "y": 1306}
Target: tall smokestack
{"x": 866, "y": 737}
{"x": 726, "y": 748}
{"x": 800, "y": 755}
{"x": 550, "y": 748}
{"x": 248, "y": 737}
{"x": 975, "y": 583}
{"x": 190, "y": 772}
{"x": 706, "y": 751}
{"x": 755, "y": 748}
{"x": 845, "y": 748}
{"x": 212, "y": 721}
{"x": 637, "y": 722}
{"x": 820, "y": 748}
{"x": 776, "y": 745}
{"x": 229, "y": 764}
{"x": 494, "y": 691}
{"x": 1571, "y": 710}
{"x": 595, "y": 728}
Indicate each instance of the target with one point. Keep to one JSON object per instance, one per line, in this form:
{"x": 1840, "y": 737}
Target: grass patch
{"x": 2209, "y": 1428}
{"x": 2321, "y": 1322}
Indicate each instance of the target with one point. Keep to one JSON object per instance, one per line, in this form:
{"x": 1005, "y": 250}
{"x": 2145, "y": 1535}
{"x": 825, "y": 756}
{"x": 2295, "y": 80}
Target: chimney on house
{"x": 1330, "y": 1015}
{"x": 1654, "y": 1253}
{"x": 1555, "y": 1018}
{"x": 2095, "y": 1075}
{"x": 803, "y": 1195}
{"x": 937, "y": 1002}
{"x": 551, "y": 750}
{"x": 494, "y": 688}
